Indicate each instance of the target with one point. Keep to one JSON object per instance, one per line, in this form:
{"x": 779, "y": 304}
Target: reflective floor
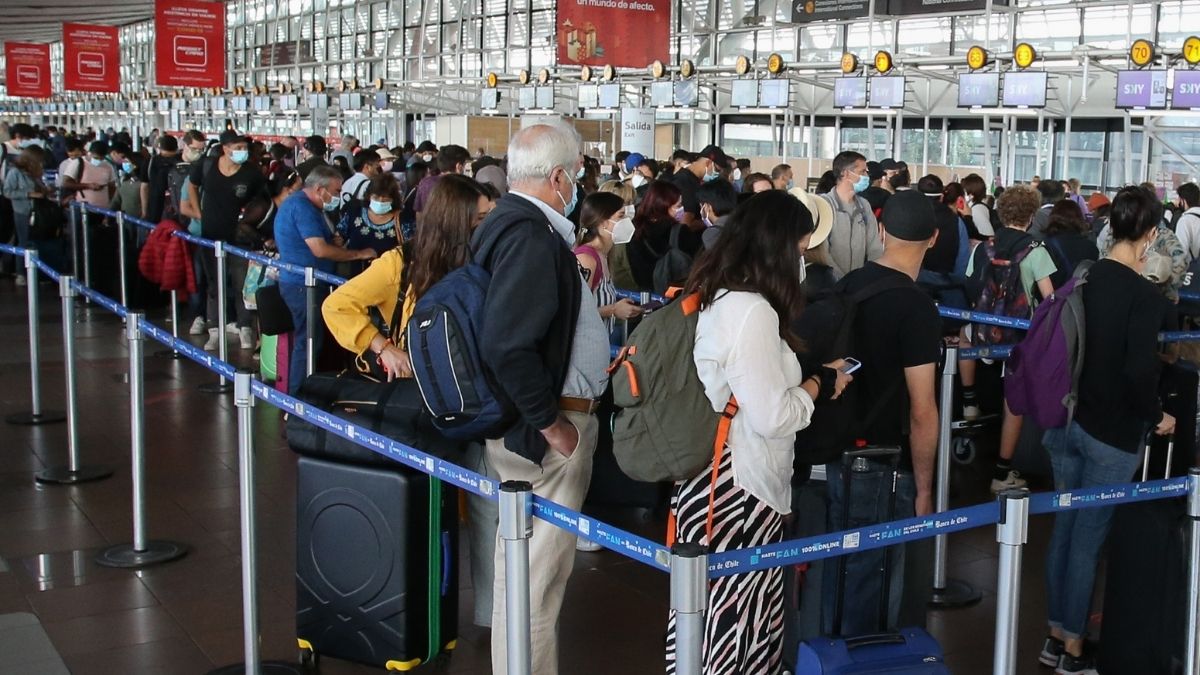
{"x": 185, "y": 617}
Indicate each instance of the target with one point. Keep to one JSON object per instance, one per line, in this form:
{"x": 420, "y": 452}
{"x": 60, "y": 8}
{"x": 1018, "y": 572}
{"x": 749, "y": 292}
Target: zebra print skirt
{"x": 743, "y": 628}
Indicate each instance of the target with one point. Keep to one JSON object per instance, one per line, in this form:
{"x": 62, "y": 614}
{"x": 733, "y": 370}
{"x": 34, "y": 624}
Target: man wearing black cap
{"x": 231, "y": 183}
{"x": 316, "y": 149}
{"x": 705, "y": 166}
{"x": 896, "y": 336}
{"x": 876, "y": 195}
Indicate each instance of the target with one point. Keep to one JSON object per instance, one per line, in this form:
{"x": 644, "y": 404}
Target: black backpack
{"x": 674, "y": 266}
{"x": 175, "y": 192}
{"x": 827, "y": 331}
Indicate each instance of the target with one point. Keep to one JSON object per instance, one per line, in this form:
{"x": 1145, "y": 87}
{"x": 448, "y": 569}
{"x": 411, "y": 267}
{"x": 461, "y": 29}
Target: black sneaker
{"x": 1076, "y": 665}
{"x": 1052, "y": 651}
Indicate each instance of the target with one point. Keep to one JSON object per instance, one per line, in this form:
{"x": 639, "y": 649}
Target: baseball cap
{"x": 908, "y": 215}
{"x": 1097, "y": 200}
{"x": 874, "y": 170}
{"x": 931, "y": 186}
{"x": 229, "y": 137}
{"x": 891, "y": 164}
{"x": 716, "y": 154}
{"x": 633, "y": 160}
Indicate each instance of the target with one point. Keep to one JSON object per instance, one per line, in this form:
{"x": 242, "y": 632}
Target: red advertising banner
{"x": 623, "y": 33}
{"x": 189, "y": 43}
{"x": 91, "y": 58}
{"x": 27, "y": 68}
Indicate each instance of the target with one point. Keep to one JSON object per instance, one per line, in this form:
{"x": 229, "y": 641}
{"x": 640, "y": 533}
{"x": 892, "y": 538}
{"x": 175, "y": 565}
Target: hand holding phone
{"x": 849, "y": 365}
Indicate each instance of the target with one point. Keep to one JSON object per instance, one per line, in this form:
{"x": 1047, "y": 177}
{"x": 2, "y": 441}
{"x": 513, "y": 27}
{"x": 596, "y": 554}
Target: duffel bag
{"x": 274, "y": 317}
{"x": 393, "y": 409}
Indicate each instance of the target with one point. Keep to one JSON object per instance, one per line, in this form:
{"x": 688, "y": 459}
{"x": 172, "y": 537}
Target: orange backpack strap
{"x": 731, "y": 410}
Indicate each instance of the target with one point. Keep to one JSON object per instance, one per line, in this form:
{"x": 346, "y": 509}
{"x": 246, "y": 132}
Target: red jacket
{"x": 167, "y": 260}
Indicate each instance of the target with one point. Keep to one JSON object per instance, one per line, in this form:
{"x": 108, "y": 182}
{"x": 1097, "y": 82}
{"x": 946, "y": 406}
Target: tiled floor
{"x": 185, "y": 617}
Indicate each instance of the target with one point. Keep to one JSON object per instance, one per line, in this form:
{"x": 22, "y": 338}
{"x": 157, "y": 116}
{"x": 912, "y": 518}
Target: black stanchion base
{"x": 63, "y": 475}
{"x": 30, "y": 419}
{"x": 168, "y": 354}
{"x": 956, "y": 594}
{"x": 216, "y": 388}
{"x": 265, "y": 668}
{"x": 124, "y": 556}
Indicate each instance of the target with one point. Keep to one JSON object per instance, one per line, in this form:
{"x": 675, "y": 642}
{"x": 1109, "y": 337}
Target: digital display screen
{"x": 687, "y": 93}
{"x": 381, "y": 100}
{"x": 526, "y": 98}
{"x": 662, "y": 94}
{"x": 775, "y": 93}
{"x": 545, "y": 98}
{"x": 1024, "y": 90}
{"x": 886, "y": 92}
{"x": 979, "y": 90}
{"x": 610, "y": 96}
{"x": 489, "y": 99}
{"x": 745, "y": 93}
{"x": 1142, "y": 89}
{"x": 1187, "y": 89}
{"x": 589, "y": 96}
{"x": 850, "y": 92}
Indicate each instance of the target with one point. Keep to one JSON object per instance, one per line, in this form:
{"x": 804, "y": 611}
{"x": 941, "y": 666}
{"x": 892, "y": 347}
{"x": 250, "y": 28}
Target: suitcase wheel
{"x": 963, "y": 450}
{"x": 402, "y": 666}
{"x": 307, "y": 656}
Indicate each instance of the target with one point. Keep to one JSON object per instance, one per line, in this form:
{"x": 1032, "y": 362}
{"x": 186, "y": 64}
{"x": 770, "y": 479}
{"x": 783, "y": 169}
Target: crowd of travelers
{"x": 560, "y": 232}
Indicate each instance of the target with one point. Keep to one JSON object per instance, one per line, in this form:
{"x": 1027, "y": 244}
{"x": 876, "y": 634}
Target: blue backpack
{"x": 443, "y": 343}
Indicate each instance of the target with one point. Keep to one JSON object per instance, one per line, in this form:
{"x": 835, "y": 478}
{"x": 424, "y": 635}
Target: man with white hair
{"x": 547, "y": 350}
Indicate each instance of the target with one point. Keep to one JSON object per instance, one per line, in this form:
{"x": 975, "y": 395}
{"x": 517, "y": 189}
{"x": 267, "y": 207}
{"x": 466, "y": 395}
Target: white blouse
{"x": 738, "y": 352}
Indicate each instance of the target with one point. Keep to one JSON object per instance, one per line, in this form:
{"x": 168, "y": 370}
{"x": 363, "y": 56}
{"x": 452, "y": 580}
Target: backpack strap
{"x": 727, "y": 415}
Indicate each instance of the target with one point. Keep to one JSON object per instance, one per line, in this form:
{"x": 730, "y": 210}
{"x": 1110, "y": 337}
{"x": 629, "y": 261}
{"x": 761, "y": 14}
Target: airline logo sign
{"x": 1187, "y": 89}
{"x": 27, "y": 66}
{"x": 91, "y": 58}
{"x": 189, "y": 43}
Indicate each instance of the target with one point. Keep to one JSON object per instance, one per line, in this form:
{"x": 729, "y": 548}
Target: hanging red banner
{"x": 189, "y": 43}
{"x": 91, "y": 58}
{"x": 621, "y": 33}
{"x": 27, "y": 68}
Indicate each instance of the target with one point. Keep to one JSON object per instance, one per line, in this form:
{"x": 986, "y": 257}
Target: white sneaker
{"x": 198, "y": 326}
{"x": 214, "y": 340}
{"x": 1012, "y": 482}
{"x": 20, "y": 280}
{"x": 246, "y": 335}
{"x": 232, "y": 328}
{"x": 587, "y": 546}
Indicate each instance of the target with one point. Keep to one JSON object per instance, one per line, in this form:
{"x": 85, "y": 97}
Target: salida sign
{"x": 91, "y": 58}
{"x": 189, "y": 43}
{"x": 623, "y": 33}
{"x": 27, "y": 67}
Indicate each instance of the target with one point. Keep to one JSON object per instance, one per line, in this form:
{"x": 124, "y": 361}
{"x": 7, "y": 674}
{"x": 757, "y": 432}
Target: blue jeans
{"x": 869, "y": 495}
{"x": 21, "y": 222}
{"x": 1079, "y": 461}
{"x": 294, "y": 297}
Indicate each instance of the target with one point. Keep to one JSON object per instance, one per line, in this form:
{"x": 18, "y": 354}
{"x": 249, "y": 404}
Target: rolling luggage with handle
{"x": 376, "y": 564}
{"x": 1144, "y": 623}
{"x": 909, "y": 650}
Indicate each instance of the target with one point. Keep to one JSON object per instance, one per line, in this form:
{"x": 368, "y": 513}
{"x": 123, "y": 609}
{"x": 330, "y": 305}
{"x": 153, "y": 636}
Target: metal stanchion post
{"x": 689, "y": 600}
{"x": 73, "y": 219}
{"x": 172, "y": 353}
{"x": 86, "y": 239}
{"x": 1011, "y": 533}
{"x": 516, "y": 525}
{"x": 73, "y": 472}
{"x": 122, "y": 272}
{"x": 1192, "y": 656}
{"x": 36, "y": 414}
{"x": 141, "y": 552}
{"x": 243, "y": 398}
{"x": 221, "y": 386}
{"x": 947, "y": 593}
{"x": 310, "y": 312}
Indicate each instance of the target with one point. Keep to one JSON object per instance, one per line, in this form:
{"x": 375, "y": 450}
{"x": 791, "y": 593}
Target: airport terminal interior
{"x": 286, "y": 387}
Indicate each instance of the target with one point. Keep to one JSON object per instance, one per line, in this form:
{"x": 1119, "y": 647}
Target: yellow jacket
{"x": 345, "y": 310}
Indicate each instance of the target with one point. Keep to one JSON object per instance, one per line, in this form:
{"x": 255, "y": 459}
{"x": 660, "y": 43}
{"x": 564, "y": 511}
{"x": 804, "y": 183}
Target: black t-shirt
{"x": 942, "y": 256}
{"x": 687, "y": 183}
{"x": 876, "y": 197}
{"x": 1068, "y": 250}
{"x": 222, "y": 197}
{"x": 157, "y": 174}
{"x": 644, "y": 252}
{"x": 893, "y": 330}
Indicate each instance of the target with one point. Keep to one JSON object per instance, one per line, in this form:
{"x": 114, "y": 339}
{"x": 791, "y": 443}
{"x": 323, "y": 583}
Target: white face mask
{"x": 803, "y": 270}
{"x": 630, "y": 211}
{"x": 623, "y": 231}
{"x": 737, "y": 174}
{"x": 637, "y": 180}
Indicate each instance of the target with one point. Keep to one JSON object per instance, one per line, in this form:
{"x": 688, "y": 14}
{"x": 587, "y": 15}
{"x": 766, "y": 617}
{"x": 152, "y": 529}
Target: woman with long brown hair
{"x": 22, "y": 185}
{"x": 748, "y": 287}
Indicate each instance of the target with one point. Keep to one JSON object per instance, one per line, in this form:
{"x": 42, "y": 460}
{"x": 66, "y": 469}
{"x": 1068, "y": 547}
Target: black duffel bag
{"x": 393, "y": 409}
{"x": 274, "y": 317}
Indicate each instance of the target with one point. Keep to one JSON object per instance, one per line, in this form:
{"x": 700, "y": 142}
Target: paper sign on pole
{"x": 27, "y": 67}
{"x": 189, "y": 43}
{"x": 637, "y": 130}
{"x": 91, "y": 58}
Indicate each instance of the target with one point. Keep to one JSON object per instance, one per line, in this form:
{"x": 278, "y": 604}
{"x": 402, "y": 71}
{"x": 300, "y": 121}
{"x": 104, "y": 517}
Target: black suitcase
{"x": 802, "y": 583}
{"x": 376, "y": 564}
{"x": 1179, "y": 386}
{"x": 1144, "y": 623}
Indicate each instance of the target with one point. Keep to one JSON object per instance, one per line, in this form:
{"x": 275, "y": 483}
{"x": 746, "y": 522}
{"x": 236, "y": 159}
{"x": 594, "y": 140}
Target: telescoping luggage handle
{"x": 1146, "y": 456}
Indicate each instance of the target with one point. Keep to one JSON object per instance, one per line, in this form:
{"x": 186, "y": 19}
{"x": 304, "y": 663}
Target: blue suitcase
{"x": 911, "y": 651}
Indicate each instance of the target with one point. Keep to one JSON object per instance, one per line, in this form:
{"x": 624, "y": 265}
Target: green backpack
{"x": 666, "y": 429}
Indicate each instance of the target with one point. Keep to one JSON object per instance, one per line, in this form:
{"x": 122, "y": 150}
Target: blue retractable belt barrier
{"x": 14, "y": 250}
{"x": 997, "y": 352}
{"x": 1107, "y": 495}
{"x": 102, "y": 300}
{"x": 47, "y": 269}
{"x": 977, "y": 317}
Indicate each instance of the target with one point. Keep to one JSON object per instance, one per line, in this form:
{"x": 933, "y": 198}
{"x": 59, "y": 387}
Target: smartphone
{"x": 850, "y": 365}
{"x": 651, "y": 306}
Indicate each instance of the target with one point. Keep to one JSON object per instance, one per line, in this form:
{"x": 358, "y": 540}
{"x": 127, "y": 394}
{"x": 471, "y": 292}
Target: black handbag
{"x": 393, "y": 409}
{"x": 274, "y": 317}
{"x": 45, "y": 220}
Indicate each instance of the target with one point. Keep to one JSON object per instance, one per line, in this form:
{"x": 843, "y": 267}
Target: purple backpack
{"x": 1042, "y": 375}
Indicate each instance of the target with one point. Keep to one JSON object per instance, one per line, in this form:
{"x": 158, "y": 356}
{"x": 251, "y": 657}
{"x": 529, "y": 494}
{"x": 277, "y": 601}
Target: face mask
{"x": 863, "y": 182}
{"x": 569, "y": 207}
{"x": 803, "y": 270}
{"x": 190, "y": 155}
{"x": 637, "y": 181}
{"x": 791, "y": 184}
{"x": 427, "y": 158}
{"x": 25, "y": 143}
{"x": 707, "y": 222}
{"x": 710, "y": 176}
{"x": 380, "y": 208}
{"x": 96, "y": 162}
{"x": 127, "y": 167}
{"x": 678, "y": 214}
{"x": 622, "y": 231}
{"x": 630, "y": 211}
{"x": 239, "y": 156}
{"x": 737, "y": 174}
{"x": 385, "y": 166}
{"x": 333, "y": 204}
{"x": 579, "y": 174}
